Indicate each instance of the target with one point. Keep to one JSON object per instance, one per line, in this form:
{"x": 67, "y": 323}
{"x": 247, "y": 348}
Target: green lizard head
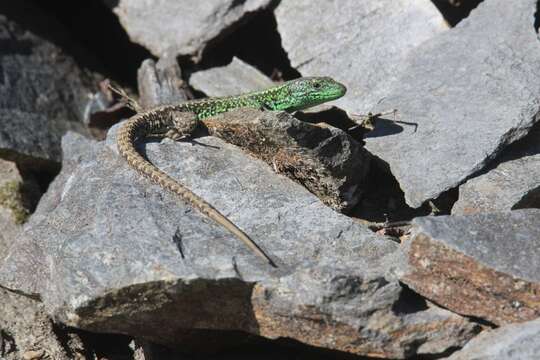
{"x": 306, "y": 92}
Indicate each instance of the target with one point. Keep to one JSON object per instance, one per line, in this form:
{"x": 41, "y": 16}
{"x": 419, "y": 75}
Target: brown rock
{"x": 370, "y": 321}
{"x": 484, "y": 265}
{"x": 325, "y": 160}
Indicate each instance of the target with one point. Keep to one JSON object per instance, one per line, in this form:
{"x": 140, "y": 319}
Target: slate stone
{"x": 472, "y": 91}
{"x": 172, "y": 27}
{"x": 43, "y": 92}
{"x": 510, "y": 342}
{"x": 361, "y": 44}
{"x": 26, "y": 332}
{"x": 160, "y": 83}
{"x": 512, "y": 183}
{"x": 232, "y": 79}
{"x": 482, "y": 265}
{"x": 108, "y": 251}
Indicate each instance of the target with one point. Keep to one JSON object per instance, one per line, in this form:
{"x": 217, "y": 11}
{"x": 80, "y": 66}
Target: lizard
{"x": 179, "y": 121}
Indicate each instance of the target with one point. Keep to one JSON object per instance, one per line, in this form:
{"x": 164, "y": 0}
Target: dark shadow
{"x": 91, "y": 33}
{"x": 177, "y": 239}
{"x": 527, "y": 146}
{"x": 409, "y": 302}
{"x": 537, "y": 17}
{"x": 383, "y": 199}
{"x": 99, "y": 345}
{"x": 256, "y": 41}
{"x": 333, "y": 116}
{"x": 282, "y": 349}
{"x": 454, "y": 11}
{"x": 255, "y": 347}
{"x": 384, "y": 127}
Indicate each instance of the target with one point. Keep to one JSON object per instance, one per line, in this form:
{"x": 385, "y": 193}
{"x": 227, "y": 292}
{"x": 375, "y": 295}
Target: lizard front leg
{"x": 183, "y": 125}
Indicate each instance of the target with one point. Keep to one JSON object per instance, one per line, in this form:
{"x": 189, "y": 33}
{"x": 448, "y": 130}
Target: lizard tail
{"x": 138, "y": 126}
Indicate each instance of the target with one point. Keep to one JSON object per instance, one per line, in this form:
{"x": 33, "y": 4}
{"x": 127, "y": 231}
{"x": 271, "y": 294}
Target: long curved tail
{"x": 137, "y": 127}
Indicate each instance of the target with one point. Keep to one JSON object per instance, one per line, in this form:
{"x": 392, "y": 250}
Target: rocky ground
{"x": 413, "y": 235}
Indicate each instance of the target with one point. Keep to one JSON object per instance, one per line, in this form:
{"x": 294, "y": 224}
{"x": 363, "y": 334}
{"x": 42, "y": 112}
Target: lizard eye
{"x": 317, "y": 85}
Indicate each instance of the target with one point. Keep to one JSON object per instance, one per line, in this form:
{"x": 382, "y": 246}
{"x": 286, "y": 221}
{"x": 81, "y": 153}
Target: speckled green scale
{"x": 290, "y": 96}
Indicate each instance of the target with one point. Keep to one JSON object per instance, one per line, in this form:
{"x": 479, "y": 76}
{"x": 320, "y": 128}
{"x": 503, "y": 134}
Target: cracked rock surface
{"x": 482, "y": 265}
{"x": 513, "y": 183}
{"x": 107, "y": 251}
{"x": 472, "y": 91}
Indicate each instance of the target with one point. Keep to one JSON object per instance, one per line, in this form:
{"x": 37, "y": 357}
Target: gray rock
{"x": 324, "y": 159}
{"x": 12, "y": 210}
{"x": 472, "y": 91}
{"x": 233, "y": 79}
{"x": 345, "y": 304}
{"x": 363, "y": 45}
{"x": 484, "y": 265}
{"x": 18, "y": 197}
{"x": 42, "y": 90}
{"x": 160, "y": 83}
{"x": 26, "y": 332}
{"x": 110, "y": 252}
{"x": 511, "y": 342}
{"x": 514, "y": 183}
{"x": 172, "y": 27}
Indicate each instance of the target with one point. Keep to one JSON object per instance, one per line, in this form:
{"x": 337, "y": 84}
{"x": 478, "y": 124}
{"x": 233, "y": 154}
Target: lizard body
{"x": 179, "y": 120}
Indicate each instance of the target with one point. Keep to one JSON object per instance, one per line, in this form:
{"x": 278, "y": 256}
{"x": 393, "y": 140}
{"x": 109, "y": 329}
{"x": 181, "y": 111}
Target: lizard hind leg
{"x": 184, "y": 124}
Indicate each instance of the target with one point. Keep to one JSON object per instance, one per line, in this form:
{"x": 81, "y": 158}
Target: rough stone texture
{"x": 511, "y": 342}
{"x": 484, "y": 265}
{"x": 160, "y": 83}
{"x": 26, "y": 332}
{"x": 173, "y": 27}
{"x": 472, "y": 91}
{"x": 344, "y": 304}
{"x": 361, "y": 44}
{"x": 108, "y": 251}
{"x": 514, "y": 183}
{"x": 233, "y": 79}
{"x": 17, "y": 198}
{"x": 42, "y": 90}
{"x": 325, "y": 160}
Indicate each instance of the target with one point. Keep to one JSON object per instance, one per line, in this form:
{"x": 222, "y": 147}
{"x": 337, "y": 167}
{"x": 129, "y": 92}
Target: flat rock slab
{"x": 108, "y": 251}
{"x": 160, "y": 83}
{"x": 484, "y": 265}
{"x": 232, "y": 79}
{"x": 514, "y": 183}
{"x": 471, "y": 90}
{"x": 173, "y": 27}
{"x": 510, "y": 342}
{"x": 43, "y": 92}
{"x": 361, "y": 44}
